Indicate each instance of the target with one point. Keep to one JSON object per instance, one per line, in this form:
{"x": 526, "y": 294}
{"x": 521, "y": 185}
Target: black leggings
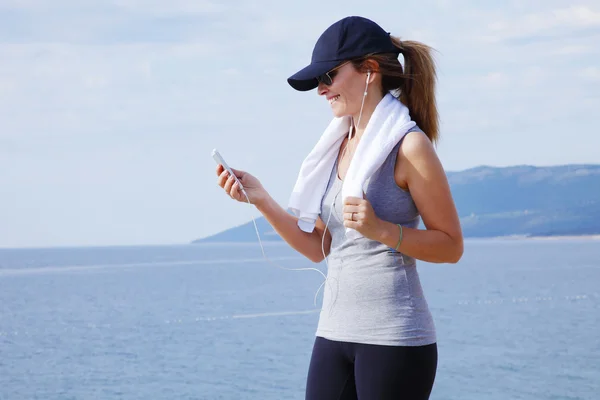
{"x": 344, "y": 371}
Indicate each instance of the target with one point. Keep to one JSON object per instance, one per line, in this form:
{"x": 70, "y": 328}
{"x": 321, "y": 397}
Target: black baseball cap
{"x": 348, "y": 38}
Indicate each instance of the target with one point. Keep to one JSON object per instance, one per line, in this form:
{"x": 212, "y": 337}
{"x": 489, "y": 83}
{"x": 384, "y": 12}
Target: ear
{"x": 371, "y": 66}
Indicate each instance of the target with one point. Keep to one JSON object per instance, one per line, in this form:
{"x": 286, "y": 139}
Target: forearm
{"x": 286, "y": 225}
{"x": 428, "y": 245}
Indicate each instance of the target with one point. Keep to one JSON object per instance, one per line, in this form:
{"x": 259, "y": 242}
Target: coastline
{"x": 565, "y": 237}
{"x": 552, "y": 237}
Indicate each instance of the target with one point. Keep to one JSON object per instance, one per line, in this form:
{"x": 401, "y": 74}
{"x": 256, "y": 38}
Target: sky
{"x": 109, "y": 109}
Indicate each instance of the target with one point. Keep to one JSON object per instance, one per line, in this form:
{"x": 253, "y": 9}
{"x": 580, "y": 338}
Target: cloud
{"x": 495, "y": 79}
{"x": 78, "y": 91}
{"x": 171, "y": 7}
{"x": 109, "y": 105}
{"x": 573, "y": 49}
{"x": 154, "y": 7}
{"x": 574, "y": 20}
{"x": 591, "y": 74}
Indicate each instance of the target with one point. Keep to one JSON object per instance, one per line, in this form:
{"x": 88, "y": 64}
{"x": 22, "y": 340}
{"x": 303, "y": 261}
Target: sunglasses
{"x": 327, "y": 77}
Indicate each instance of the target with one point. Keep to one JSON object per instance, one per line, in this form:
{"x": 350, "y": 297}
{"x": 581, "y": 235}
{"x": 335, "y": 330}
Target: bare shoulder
{"x": 415, "y": 146}
{"x": 415, "y": 152}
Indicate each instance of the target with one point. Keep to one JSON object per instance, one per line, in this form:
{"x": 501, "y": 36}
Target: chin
{"x": 339, "y": 112}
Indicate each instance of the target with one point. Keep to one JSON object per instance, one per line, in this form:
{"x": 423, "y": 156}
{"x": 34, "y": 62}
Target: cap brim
{"x": 306, "y": 78}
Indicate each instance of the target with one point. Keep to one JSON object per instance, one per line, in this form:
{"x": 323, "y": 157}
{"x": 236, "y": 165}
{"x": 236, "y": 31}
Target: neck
{"x": 371, "y": 101}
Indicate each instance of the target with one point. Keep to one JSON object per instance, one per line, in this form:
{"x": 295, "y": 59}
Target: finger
{"x": 223, "y": 178}
{"x": 351, "y": 200}
{"x": 228, "y": 184}
{"x": 350, "y": 224}
{"x": 219, "y": 169}
{"x": 238, "y": 174}
{"x": 239, "y": 181}
{"x": 235, "y": 191}
{"x": 354, "y": 216}
{"x": 351, "y": 208}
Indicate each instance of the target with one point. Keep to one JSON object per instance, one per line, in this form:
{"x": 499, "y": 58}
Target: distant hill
{"x": 526, "y": 200}
{"x": 492, "y": 201}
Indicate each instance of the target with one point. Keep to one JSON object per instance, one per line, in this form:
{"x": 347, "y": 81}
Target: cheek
{"x": 351, "y": 100}
{"x": 350, "y": 96}
{"x": 354, "y": 90}
{"x": 344, "y": 92}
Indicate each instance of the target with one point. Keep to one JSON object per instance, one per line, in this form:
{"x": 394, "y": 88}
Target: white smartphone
{"x": 219, "y": 160}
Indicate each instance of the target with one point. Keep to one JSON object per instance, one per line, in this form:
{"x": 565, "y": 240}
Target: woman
{"x": 376, "y": 337}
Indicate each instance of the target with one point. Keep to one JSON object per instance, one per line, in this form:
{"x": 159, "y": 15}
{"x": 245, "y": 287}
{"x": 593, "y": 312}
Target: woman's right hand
{"x": 252, "y": 186}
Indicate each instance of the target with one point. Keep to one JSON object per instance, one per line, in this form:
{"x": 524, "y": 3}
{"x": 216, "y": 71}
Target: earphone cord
{"x": 328, "y": 218}
{"x": 331, "y": 208}
{"x": 277, "y": 265}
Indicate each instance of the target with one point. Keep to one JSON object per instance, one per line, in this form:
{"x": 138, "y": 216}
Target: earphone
{"x": 332, "y": 207}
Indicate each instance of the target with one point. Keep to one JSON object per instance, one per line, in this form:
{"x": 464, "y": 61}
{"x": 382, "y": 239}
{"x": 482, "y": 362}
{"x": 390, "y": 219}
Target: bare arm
{"x": 442, "y": 240}
{"x": 312, "y": 245}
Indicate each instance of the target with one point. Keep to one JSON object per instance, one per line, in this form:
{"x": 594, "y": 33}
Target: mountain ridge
{"x": 519, "y": 200}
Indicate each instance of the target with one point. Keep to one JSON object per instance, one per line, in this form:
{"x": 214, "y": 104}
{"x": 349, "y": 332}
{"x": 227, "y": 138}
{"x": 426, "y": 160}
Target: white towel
{"x": 389, "y": 122}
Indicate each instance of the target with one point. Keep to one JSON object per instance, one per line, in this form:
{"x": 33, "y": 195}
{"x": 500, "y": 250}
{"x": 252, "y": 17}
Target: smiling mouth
{"x": 334, "y": 99}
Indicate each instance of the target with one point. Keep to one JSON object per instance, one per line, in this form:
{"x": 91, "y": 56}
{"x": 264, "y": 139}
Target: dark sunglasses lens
{"x": 325, "y": 79}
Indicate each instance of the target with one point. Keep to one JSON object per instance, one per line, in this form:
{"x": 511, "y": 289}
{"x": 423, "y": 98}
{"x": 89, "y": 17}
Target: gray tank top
{"x": 373, "y": 294}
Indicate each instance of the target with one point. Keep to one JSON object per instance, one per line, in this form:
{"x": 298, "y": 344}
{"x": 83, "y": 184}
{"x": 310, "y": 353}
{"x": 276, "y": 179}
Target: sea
{"x": 516, "y": 319}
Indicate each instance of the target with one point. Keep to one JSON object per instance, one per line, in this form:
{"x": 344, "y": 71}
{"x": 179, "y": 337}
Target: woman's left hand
{"x": 359, "y": 215}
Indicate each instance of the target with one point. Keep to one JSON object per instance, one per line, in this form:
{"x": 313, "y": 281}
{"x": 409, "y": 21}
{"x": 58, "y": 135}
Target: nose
{"x": 321, "y": 89}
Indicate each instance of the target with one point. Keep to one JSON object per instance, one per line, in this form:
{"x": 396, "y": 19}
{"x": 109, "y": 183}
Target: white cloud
{"x": 573, "y": 49}
{"x": 543, "y": 23}
{"x": 591, "y": 73}
{"x": 7, "y": 87}
{"x": 59, "y": 98}
{"x": 534, "y": 75}
{"x": 495, "y": 79}
{"x": 231, "y": 72}
{"x": 156, "y": 7}
{"x": 161, "y": 7}
{"x": 579, "y": 16}
{"x": 122, "y": 108}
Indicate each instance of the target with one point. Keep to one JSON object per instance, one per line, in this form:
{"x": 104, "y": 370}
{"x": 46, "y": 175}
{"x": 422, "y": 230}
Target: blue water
{"x": 516, "y": 319}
